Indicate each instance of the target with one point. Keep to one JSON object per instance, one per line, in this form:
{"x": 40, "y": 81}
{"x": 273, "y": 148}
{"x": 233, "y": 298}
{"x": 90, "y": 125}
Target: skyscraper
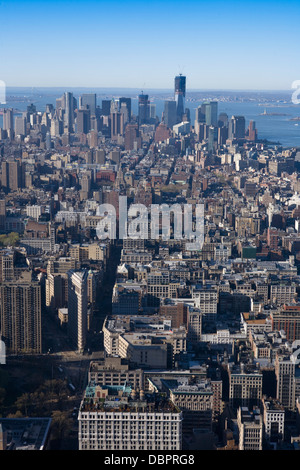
{"x": 211, "y": 113}
{"x": 180, "y": 86}
{"x": 170, "y": 117}
{"x": 77, "y": 308}
{"x": 88, "y": 101}
{"x": 144, "y": 109}
{"x": 83, "y": 121}
{"x": 8, "y": 124}
{"x": 20, "y": 125}
{"x": 11, "y": 175}
{"x": 127, "y": 102}
{"x": 20, "y": 315}
{"x": 116, "y": 124}
{"x": 69, "y": 111}
{"x": 236, "y": 127}
{"x": 106, "y": 107}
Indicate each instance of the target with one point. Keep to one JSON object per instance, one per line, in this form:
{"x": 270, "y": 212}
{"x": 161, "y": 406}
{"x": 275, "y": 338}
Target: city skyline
{"x": 96, "y": 44}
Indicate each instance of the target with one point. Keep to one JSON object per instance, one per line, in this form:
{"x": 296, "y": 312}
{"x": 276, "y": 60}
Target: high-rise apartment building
{"x": 20, "y": 315}
{"x": 11, "y": 178}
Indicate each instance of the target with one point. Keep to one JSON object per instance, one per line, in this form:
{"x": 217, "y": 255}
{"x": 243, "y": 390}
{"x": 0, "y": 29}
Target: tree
{"x": 62, "y": 423}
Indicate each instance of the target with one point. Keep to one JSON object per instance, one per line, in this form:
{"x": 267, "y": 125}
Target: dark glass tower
{"x": 180, "y": 85}
{"x": 144, "y": 109}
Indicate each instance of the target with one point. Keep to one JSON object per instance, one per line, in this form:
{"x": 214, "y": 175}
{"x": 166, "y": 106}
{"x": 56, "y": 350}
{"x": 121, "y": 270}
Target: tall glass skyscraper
{"x": 180, "y": 86}
{"x": 170, "y": 113}
{"x": 144, "y": 109}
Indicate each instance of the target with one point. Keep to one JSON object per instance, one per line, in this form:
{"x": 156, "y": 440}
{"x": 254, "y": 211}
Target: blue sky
{"x": 216, "y": 44}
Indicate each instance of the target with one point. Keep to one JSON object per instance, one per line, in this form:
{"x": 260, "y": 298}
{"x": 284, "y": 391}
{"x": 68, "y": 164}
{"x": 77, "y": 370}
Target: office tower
{"x": 236, "y": 127}
{"x": 200, "y": 113}
{"x": 8, "y": 124}
{"x": 245, "y": 386}
{"x": 56, "y": 290}
{"x": 83, "y": 121}
{"x": 106, "y": 107}
{"x": 132, "y": 137}
{"x": 250, "y": 426}
{"x": 20, "y": 125}
{"x": 88, "y": 101}
{"x": 144, "y": 109}
{"x": 48, "y": 143}
{"x": 120, "y": 418}
{"x": 92, "y": 139}
{"x": 222, "y": 135}
{"x": 152, "y": 112}
{"x": 180, "y": 86}
{"x": 285, "y": 377}
{"x": 20, "y": 314}
{"x": 212, "y": 137}
{"x": 116, "y": 124}
{"x": 31, "y": 109}
{"x": 124, "y": 112}
{"x": 77, "y": 308}
{"x": 49, "y": 108}
{"x": 127, "y": 103}
{"x": 68, "y": 111}
{"x": 223, "y": 120}
{"x": 252, "y": 132}
{"x": 170, "y": 116}
{"x": 273, "y": 417}
{"x": 56, "y": 127}
{"x": 194, "y": 325}
{"x": 211, "y": 113}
